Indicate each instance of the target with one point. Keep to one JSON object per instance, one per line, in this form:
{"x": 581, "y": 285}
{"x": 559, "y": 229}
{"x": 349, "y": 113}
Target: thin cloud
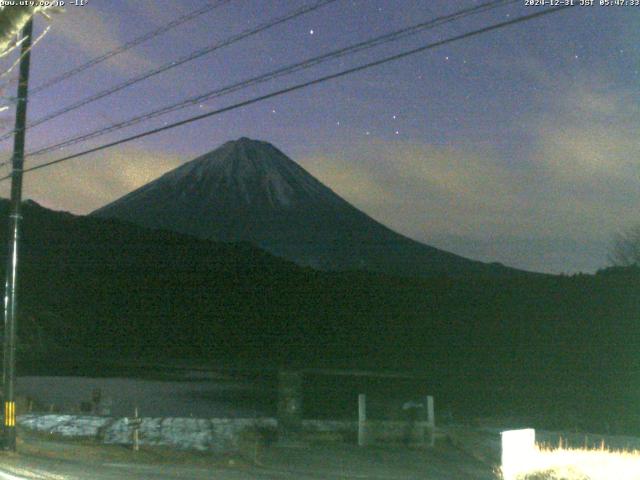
{"x": 573, "y": 187}
{"x": 570, "y": 189}
{"x": 86, "y": 184}
{"x": 588, "y": 155}
{"x": 94, "y": 33}
{"x": 421, "y": 189}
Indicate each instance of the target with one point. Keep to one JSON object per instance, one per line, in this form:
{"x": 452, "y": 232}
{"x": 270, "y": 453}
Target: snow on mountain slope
{"x": 248, "y": 190}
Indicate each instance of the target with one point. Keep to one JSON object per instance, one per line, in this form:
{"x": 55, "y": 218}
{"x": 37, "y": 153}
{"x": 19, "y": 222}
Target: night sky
{"x": 518, "y": 146}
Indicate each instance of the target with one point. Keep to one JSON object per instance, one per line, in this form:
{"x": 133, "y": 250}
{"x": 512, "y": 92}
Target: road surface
{"x": 41, "y": 458}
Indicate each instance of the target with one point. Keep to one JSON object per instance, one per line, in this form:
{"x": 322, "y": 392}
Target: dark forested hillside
{"x": 93, "y": 290}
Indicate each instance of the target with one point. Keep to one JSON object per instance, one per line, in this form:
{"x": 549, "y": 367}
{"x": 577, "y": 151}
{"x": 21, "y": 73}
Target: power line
{"x": 287, "y": 70}
{"x": 129, "y": 45}
{"x": 301, "y": 86}
{"x": 168, "y": 66}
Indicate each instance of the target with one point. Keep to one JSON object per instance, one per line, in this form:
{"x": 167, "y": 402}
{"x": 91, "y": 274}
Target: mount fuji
{"x": 249, "y": 191}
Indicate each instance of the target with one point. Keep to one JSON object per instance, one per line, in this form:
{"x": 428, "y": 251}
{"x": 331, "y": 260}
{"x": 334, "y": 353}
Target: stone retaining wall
{"x": 214, "y": 434}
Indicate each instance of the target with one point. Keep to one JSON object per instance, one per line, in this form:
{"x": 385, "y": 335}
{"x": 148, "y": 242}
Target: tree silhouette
{"x": 625, "y": 250}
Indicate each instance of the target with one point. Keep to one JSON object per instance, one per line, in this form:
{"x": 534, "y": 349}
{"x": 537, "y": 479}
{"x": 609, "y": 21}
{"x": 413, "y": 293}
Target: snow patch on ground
{"x": 214, "y": 434}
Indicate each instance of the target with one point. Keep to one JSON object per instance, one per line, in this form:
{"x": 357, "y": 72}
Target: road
{"x": 42, "y": 458}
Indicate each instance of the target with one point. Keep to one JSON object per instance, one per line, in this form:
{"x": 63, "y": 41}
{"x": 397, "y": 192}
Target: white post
{"x": 518, "y": 451}
{"x": 431, "y": 421}
{"x": 362, "y": 420}
{"x": 136, "y": 431}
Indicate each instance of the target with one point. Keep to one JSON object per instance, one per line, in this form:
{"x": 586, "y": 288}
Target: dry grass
{"x": 580, "y": 464}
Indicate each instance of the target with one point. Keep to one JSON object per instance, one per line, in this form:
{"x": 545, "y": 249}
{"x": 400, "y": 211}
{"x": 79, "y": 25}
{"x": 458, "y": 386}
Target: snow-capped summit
{"x": 248, "y": 190}
{"x": 248, "y": 172}
{"x": 242, "y": 173}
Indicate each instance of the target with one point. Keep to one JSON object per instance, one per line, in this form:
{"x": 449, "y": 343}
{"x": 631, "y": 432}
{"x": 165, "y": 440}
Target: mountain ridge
{"x": 249, "y": 190}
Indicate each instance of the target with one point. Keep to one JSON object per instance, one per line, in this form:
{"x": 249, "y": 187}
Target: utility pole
{"x": 11, "y": 296}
